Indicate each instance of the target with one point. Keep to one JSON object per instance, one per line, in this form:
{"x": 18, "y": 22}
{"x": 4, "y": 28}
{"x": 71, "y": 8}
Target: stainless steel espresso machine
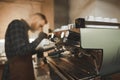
{"x": 85, "y": 53}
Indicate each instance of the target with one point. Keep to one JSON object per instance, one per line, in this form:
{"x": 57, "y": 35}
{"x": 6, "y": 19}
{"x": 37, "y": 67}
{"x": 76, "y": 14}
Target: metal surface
{"x": 101, "y": 23}
{"x": 109, "y": 41}
{"x": 82, "y": 67}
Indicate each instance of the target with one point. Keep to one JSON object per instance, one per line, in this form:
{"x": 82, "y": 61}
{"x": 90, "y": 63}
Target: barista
{"x": 18, "y": 49}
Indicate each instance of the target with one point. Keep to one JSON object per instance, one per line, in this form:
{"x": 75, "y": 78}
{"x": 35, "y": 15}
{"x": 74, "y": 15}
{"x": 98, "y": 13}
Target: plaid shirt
{"x": 16, "y": 39}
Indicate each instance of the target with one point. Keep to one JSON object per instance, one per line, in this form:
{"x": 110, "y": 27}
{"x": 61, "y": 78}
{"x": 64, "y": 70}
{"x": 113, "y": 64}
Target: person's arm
{"x": 18, "y": 39}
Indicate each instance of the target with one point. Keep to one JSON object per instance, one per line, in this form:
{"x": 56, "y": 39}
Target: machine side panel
{"x": 109, "y": 41}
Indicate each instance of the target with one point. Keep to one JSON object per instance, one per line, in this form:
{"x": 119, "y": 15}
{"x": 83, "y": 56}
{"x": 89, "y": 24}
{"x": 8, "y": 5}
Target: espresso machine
{"x": 90, "y": 54}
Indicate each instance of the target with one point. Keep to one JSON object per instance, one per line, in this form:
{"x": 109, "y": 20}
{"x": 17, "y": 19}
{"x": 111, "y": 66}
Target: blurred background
{"x": 58, "y": 12}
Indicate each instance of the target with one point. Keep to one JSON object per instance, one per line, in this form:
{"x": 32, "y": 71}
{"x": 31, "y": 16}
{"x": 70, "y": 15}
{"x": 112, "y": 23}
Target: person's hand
{"x": 45, "y": 54}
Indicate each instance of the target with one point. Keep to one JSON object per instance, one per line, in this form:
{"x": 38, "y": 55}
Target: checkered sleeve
{"x": 20, "y": 44}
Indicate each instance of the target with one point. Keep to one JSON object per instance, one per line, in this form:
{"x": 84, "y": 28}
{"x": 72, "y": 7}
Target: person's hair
{"x": 42, "y": 16}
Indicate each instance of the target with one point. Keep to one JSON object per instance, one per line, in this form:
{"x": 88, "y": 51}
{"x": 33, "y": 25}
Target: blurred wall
{"x": 17, "y": 9}
{"x": 61, "y": 12}
{"x": 100, "y": 8}
{"x": 48, "y": 10}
